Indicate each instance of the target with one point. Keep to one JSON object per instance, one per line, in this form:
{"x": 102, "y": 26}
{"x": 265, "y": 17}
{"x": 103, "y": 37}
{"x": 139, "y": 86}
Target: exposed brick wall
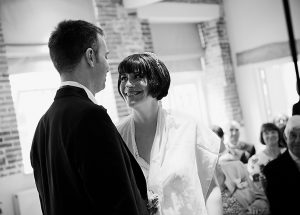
{"x": 147, "y": 38}
{"x": 222, "y": 96}
{"x": 126, "y": 34}
{"x": 10, "y": 150}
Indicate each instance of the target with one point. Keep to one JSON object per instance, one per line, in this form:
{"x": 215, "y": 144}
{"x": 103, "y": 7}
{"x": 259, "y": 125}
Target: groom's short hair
{"x": 69, "y": 41}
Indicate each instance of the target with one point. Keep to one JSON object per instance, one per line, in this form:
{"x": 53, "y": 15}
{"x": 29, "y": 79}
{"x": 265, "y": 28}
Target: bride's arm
{"x": 214, "y": 200}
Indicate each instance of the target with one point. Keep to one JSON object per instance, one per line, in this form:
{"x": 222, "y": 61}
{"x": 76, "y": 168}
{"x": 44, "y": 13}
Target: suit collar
{"x": 66, "y": 91}
{"x": 76, "y": 84}
{"x": 288, "y": 159}
{"x": 295, "y": 159}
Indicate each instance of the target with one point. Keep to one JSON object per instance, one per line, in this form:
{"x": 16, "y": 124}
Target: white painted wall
{"x": 32, "y": 21}
{"x": 176, "y": 39}
{"x": 252, "y": 23}
{"x": 10, "y": 185}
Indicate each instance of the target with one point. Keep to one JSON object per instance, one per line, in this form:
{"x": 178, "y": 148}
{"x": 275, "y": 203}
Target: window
{"x": 32, "y": 95}
{"x": 33, "y": 92}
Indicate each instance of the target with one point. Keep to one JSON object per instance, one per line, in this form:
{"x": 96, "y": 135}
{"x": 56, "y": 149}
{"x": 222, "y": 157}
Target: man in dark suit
{"x": 296, "y": 108}
{"x": 283, "y": 174}
{"x": 81, "y": 164}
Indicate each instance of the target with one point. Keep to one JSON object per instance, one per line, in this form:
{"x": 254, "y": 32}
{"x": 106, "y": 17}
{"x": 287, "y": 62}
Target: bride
{"x": 177, "y": 154}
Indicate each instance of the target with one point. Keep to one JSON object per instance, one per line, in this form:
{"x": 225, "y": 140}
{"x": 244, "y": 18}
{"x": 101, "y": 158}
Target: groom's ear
{"x": 90, "y": 57}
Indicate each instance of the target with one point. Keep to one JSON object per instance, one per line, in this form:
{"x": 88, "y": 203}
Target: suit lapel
{"x": 138, "y": 173}
{"x": 291, "y": 167}
{"x": 68, "y": 91}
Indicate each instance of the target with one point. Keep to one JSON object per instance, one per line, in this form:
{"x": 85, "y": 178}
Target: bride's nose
{"x": 130, "y": 83}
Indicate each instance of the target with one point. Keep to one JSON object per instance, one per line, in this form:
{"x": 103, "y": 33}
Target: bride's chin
{"x": 130, "y": 103}
{"x": 134, "y": 104}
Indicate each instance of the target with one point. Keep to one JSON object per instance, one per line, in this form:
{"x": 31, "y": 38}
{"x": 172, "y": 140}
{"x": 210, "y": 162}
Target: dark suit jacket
{"x": 246, "y": 147}
{"x": 283, "y": 185}
{"x": 296, "y": 108}
{"x": 81, "y": 164}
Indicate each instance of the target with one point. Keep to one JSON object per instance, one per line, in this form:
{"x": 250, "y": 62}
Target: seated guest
{"x": 219, "y": 131}
{"x": 270, "y": 136}
{"x": 283, "y": 174}
{"x": 280, "y": 121}
{"x": 238, "y": 150}
{"x": 239, "y": 195}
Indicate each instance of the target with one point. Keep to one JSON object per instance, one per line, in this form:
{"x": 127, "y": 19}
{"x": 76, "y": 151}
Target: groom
{"x": 81, "y": 164}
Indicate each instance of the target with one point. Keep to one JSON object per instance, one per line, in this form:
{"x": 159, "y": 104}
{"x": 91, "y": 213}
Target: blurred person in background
{"x": 283, "y": 173}
{"x": 236, "y": 149}
{"x": 280, "y": 121}
{"x": 219, "y": 131}
{"x": 239, "y": 195}
{"x": 270, "y": 136}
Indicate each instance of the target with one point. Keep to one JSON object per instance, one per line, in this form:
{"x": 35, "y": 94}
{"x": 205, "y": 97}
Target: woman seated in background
{"x": 236, "y": 149}
{"x": 280, "y": 121}
{"x": 270, "y": 136}
{"x": 239, "y": 195}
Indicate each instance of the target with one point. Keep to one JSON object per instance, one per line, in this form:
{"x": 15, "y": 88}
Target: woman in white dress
{"x": 270, "y": 136}
{"x": 177, "y": 154}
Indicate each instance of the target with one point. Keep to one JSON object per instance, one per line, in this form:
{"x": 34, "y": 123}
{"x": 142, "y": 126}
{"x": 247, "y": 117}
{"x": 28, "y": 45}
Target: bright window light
{"x": 33, "y": 93}
{"x": 32, "y": 96}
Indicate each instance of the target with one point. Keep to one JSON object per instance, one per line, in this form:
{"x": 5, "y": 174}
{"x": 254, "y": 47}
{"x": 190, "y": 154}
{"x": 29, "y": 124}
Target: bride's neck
{"x": 146, "y": 113}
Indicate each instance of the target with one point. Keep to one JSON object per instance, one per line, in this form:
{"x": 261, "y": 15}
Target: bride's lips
{"x": 132, "y": 93}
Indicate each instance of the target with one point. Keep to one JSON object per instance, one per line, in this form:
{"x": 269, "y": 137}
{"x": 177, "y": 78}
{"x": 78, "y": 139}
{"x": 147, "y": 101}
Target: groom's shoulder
{"x": 78, "y": 106}
{"x": 95, "y": 110}
{"x": 95, "y": 116}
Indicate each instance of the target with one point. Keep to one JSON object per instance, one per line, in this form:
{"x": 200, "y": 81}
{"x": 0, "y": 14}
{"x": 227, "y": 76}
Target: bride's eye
{"x": 123, "y": 78}
{"x": 138, "y": 75}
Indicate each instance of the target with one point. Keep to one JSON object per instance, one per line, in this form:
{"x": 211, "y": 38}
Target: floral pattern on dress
{"x": 231, "y": 206}
{"x": 255, "y": 168}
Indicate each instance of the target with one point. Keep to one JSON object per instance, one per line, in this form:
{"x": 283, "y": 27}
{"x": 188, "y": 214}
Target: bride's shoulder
{"x": 180, "y": 117}
{"x": 124, "y": 123}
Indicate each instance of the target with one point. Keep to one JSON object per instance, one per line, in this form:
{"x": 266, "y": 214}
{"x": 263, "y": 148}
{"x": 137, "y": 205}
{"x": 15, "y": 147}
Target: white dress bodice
{"x": 182, "y": 162}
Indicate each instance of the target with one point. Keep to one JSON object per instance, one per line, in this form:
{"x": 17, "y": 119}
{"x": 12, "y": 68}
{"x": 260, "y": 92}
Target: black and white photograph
{"x": 149, "y": 107}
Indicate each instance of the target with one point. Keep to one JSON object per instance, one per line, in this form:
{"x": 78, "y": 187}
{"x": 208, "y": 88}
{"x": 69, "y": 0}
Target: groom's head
{"x": 69, "y": 42}
{"x": 79, "y": 46}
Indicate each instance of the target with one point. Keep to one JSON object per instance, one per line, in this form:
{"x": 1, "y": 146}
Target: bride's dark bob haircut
{"x": 149, "y": 66}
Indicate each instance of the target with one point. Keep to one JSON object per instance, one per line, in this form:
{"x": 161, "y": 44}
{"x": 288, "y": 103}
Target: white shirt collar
{"x": 76, "y": 84}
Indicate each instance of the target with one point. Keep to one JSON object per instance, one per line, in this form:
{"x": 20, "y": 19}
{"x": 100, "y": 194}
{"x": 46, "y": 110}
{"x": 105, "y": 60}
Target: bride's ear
{"x": 90, "y": 57}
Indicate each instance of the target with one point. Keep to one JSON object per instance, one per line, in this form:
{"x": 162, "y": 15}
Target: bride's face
{"x": 134, "y": 88}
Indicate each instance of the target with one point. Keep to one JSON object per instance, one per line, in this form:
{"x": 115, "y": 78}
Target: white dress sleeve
{"x": 207, "y": 152}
